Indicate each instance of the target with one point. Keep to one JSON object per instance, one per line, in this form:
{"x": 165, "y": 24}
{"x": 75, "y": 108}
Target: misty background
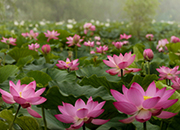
{"x": 62, "y": 10}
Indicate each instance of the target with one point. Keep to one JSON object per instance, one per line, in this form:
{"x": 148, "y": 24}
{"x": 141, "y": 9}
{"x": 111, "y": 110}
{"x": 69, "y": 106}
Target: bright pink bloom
{"x": 125, "y": 42}
{"x": 176, "y": 83}
{"x": 162, "y": 45}
{"x": 31, "y": 35}
{"x": 118, "y": 45}
{"x": 24, "y": 95}
{"x": 51, "y": 35}
{"x": 142, "y": 105}
{"x": 102, "y": 49}
{"x": 71, "y": 65}
{"x": 168, "y": 73}
{"x": 92, "y": 52}
{"x": 174, "y": 39}
{"x": 97, "y": 38}
{"x": 148, "y": 54}
{"x": 34, "y": 46}
{"x": 120, "y": 62}
{"x": 81, "y": 113}
{"x": 124, "y": 36}
{"x": 9, "y": 41}
{"x": 150, "y": 37}
{"x": 89, "y": 43}
{"x": 46, "y": 48}
{"x": 89, "y": 27}
{"x": 75, "y": 40}
{"x": 98, "y": 43}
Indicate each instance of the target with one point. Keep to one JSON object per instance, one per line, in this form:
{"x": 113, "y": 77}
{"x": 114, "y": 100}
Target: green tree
{"x": 140, "y": 14}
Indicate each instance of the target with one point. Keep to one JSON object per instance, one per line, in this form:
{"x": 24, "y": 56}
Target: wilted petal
{"x": 126, "y": 107}
{"x": 33, "y": 113}
{"x": 99, "y": 121}
{"x": 166, "y": 115}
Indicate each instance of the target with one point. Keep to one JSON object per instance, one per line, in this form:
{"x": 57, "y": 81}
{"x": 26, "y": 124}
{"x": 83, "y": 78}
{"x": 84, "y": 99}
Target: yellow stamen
{"x": 20, "y": 94}
{"x": 146, "y": 97}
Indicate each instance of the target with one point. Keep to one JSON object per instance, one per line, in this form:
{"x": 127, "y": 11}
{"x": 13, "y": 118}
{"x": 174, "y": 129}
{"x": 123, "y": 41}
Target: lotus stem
{"x": 44, "y": 118}
{"x": 84, "y": 128}
{"x": 10, "y": 127}
{"x": 121, "y": 73}
{"x": 144, "y": 126}
{"x": 148, "y": 66}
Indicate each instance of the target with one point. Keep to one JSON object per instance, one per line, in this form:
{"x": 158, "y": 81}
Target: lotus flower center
{"x": 146, "y": 97}
{"x": 20, "y": 94}
{"x": 67, "y": 64}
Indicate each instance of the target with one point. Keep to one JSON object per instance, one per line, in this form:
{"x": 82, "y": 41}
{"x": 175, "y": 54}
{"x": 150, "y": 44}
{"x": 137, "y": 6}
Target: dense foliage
{"x": 18, "y": 62}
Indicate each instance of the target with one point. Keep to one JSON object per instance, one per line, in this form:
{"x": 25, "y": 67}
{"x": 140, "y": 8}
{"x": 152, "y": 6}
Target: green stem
{"x": 148, "y": 66}
{"x": 121, "y": 73}
{"x": 166, "y": 81}
{"x": 169, "y": 82}
{"x": 144, "y": 126}
{"x": 10, "y": 127}
{"x": 75, "y": 52}
{"x": 161, "y": 125}
{"x": 84, "y": 128}
{"x": 44, "y": 118}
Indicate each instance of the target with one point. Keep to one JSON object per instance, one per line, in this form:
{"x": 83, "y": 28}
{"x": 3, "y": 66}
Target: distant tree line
{"x": 57, "y": 10}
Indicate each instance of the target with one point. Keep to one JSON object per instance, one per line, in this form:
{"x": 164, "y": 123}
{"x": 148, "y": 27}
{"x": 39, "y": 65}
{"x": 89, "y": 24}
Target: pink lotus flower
{"x": 24, "y": 95}
{"x": 92, "y": 52}
{"x": 142, "y": 105}
{"x": 125, "y": 42}
{"x": 176, "y": 83}
{"x": 89, "y": 43}
{"x": 120, "y": 62}
{"x": 162, "y": 45}
{"x": 46, "y": 48}
{"x": 148, "y": 54}
{"x": 9, "y": 41}
{"x": 89, "y": 27}
{"x": 168, "y": 73}
{"x": 118, "y": 45}
{"x": 75, "y": 40}
{"x": 34, "y": 46}
{"x": 31, "y": 35}
{"x": 81, "y": 113}
{"x": 98, "y": 43}
{"x": 174, "y": 39}
{"x": 97, "y": 38}
{"x": 150, "y": 37}
{"x": 124, "y": 36}
{"x": 51, "y": 35}
{"x": 71, "y": 65}
{"x": 102, "y": 49}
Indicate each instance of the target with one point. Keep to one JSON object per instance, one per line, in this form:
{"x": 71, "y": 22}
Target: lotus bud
{"x": 148, "y": 54}
{"x": 46, "y": 49}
